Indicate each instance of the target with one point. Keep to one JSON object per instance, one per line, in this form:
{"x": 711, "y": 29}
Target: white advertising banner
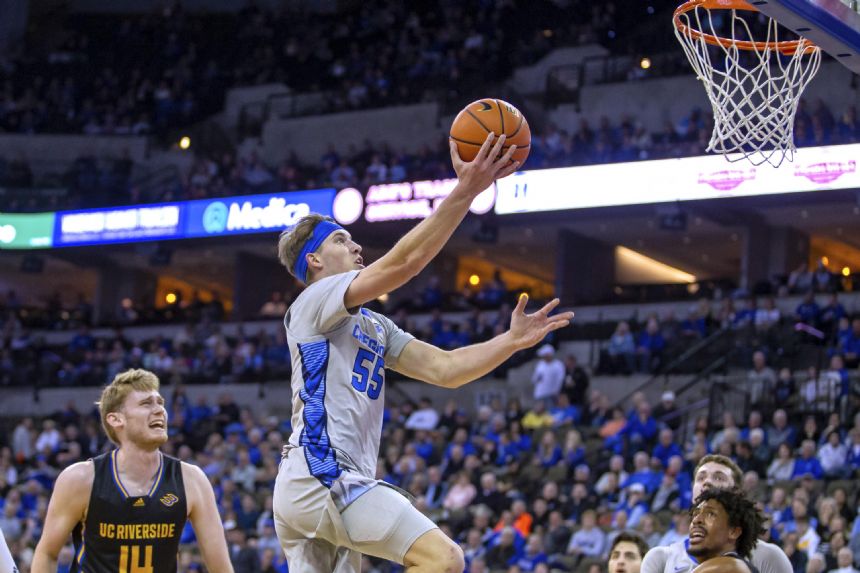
{"x": 670, "y": 180}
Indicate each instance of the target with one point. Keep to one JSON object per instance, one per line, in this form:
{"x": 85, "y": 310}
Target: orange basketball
{"x": 471, "y": 126}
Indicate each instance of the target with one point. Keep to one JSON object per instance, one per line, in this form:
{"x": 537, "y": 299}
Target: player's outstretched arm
{"x": 66, "y": 509}
{"x": 453, "y": 368}
{"x": 418, "y": 247}
{"x": 203, "y": 513}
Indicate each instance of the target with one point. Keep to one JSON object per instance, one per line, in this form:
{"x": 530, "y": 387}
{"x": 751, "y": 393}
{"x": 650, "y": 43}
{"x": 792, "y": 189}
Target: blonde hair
{"x": 114, "y": 394}
{"x": 292, "y": 240}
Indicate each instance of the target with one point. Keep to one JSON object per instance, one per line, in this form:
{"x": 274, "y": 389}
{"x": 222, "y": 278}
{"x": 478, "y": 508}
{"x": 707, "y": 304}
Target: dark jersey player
{"x": 126, "y": 510}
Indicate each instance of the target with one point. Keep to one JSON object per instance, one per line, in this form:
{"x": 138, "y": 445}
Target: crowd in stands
{"x": 170, "y": 68}
{"x": 200, "y": 351}
{"x": 521, "y": 489}
{"x": 756, "y": 321}
{"x": 93, "y": 182}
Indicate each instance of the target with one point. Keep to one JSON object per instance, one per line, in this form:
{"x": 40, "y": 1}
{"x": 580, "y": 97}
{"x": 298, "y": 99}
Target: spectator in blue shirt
{"x": 808, "y": 311}
{"x": 643, "y": 474}
{"x": 650, "y": 347}
{"x": 807, "y": 463}
{"x": 831, "y": 314}
{"x": 461, "y": 438}
{"x": 431, "y": 296}
{"x": 641, "y": 428}
{"x": 784, "y": 389}
{"x": 503, "y": 551}
{"x": 744, "y": 316}
{"x": 82, "y": 341}
{"x": 780, "y": 431}
{"x": 634, "y": 504}
{"x": 666, "y": 447}
{"x": 852, "y": 460}
{"x": 549, "y": 452}
{"x": 850, "y": 345}
{"x": 621, "y": 350}
{"x": 574, "y": 451}
{"x": 564, "y": 413}
{"x": 754, "y": 421}
{"x": 695, "y": 325}
{"x": 533, "y": 554}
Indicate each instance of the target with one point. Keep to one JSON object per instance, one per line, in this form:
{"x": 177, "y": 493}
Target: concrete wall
{"x": 532, "y": 79}
{"x": 33, "y": 289}
{"x": 407, "y": 128}
{"x": 238, "y": 98}
{"x": 67, "y": 148}
{"x": 652, "y": 102}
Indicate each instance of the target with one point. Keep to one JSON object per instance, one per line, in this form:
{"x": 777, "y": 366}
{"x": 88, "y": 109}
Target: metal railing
{"x": 153, "y": 183}
{"x": 705, "y": 350}
{"x": 564, "y": 83}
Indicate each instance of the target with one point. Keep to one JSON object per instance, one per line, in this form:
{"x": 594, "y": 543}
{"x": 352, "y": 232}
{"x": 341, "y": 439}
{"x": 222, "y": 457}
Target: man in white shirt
{"x": 424, "y": 418}
{"x": 845, "y": 560}
{"x": 589, "y": 540}
{"x": 548, "y": 376}
{"x": 49, "y": 438}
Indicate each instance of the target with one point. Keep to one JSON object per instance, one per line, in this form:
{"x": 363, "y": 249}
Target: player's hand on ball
{"x": 490, "y": 164}
{"x": 529, "y": 329}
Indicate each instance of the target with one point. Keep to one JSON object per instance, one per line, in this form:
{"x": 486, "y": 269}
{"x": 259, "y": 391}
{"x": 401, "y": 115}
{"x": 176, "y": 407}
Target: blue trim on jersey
{"x": 687, "y": 549}
{"x": 321, "y": 459}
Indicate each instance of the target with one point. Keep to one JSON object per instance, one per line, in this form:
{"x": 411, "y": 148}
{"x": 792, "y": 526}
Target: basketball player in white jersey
{"x": 713, "y": 472}
{"x": 7, "y": 564}
{"x": 328, "y": 506}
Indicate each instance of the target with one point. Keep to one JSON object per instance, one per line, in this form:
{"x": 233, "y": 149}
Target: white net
{"x": 754, "y": 83}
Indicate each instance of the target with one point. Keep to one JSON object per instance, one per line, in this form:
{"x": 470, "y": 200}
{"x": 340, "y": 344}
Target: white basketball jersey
{"x": 338, "y": 380}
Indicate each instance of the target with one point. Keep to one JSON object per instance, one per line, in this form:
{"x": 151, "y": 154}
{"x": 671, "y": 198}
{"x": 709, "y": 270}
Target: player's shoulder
{"x": 316, "y": 292}
{"x": 659, "y": 550}
{"x": 76, "y": 478}
{"x": 665, "y": 552}
{"x": 762, "y": 546}
{"x": 770, "y": 558}
{"x": 320, "y": 286}
{"x": 192, "y": 472}
{"x": 661, "y": 553}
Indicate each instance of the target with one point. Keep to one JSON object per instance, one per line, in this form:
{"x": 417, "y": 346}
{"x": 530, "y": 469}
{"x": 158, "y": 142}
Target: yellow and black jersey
{"x": 131, "y": 534}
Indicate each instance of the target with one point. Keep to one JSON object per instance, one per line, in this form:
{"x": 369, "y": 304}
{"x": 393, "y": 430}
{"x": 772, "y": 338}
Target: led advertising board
{"x": 26, "y": 230}
{"x": 670, "y": 180}
{"x": 401, "y": 201}
{"x": 189, "y": 219}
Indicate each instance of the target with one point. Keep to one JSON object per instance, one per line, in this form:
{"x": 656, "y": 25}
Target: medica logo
{"x": 245, "y": 216}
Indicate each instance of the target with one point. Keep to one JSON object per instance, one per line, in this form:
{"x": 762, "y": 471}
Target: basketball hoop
{"x": 754, "y": 84}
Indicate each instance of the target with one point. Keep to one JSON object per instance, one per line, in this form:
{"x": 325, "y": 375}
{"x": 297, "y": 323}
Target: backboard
{"x": 834, "y": 25}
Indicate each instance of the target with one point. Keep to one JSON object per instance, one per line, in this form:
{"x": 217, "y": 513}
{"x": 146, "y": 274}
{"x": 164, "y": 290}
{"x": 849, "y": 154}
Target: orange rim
{"x": 786, "y": 48}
